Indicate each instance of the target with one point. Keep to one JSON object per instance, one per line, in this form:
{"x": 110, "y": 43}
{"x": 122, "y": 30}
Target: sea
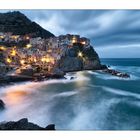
{"x": 91, "y": 100}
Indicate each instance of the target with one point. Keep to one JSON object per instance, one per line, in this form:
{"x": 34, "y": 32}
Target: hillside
{"x": 19, "y": 24}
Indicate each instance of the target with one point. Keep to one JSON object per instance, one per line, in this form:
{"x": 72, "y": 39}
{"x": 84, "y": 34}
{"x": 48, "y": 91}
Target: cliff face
{"x": 72, "y": 62}
{"x": 19, "y": 24}
{"x": 92, "y": 61}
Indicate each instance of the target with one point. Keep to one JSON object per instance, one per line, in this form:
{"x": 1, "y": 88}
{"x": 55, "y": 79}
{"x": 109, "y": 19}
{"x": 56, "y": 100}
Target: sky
{"x": 113, "y": 33}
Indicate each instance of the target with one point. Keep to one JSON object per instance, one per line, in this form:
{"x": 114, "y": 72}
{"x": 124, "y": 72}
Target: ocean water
{"x": 91, "y": 101}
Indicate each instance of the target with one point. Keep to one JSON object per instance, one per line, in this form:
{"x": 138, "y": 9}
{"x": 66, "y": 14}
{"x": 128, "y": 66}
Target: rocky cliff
{"x": 19, "y": 24}
{"x": 72, "y": 62}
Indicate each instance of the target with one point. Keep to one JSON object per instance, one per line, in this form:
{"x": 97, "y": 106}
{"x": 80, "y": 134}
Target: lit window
{"x": 27, "y": 37}
{"x": 28, "y": 46}
{"x": 13, "y": 52}
{"x": 2, "y": 48}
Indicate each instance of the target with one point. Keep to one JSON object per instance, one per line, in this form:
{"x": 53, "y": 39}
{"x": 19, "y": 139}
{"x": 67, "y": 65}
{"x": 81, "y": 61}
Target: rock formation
{"x": 2, "y": 105}
{"x": 23, "y": 124}
{"x": 71, "y": 62}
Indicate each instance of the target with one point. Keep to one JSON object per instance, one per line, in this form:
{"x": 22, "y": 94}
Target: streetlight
{"x": 28, "y": 46}
{"x": 80, "y": 54}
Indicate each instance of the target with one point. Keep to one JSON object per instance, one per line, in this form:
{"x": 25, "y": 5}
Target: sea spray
{"x": 89, "y": 101}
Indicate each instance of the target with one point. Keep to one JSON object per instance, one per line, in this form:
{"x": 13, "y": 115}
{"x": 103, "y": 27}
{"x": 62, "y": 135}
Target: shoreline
{"x": 11, "y": 79}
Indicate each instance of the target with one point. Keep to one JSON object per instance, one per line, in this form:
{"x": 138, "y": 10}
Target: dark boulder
{"x": 23, "y": 124}
{"x": 2, "y": 105}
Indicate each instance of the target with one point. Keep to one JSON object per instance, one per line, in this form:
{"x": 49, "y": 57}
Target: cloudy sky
{"x": 113, "y": 33}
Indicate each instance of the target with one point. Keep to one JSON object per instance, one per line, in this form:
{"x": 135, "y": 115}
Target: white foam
{"x": 106, "y": 76}
{"x": 66, "y": 94}
{"x": 122, "y": 92}
{"x": 34, "y": 85}
{"x": 91, "y": 118}
{"x": 129, "y": 69}
{"x": 95, "y": 73}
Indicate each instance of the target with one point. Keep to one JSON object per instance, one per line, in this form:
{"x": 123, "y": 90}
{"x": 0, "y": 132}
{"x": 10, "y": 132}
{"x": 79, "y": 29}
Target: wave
{"x": 117, "y": 91}
{"x": 129, "y": 69}
{"x": 105, "y": 76}
{"x": 66, "y": 94}
{"x": 77, "y": 76}
{"x": 121, "y": 92}
{"x": 134, "y": 71}
{"x": 92, "y": 118}
{"x": 34, "y": 85}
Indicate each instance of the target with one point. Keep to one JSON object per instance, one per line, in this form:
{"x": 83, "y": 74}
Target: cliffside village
{"x": 37, "y": 55}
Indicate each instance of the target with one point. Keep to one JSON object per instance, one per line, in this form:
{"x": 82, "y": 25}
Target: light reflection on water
{"x": 36, "y": 100}
{"x": 14, "y": 97}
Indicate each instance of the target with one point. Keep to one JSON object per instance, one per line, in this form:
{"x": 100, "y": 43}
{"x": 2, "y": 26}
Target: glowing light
{"x": 47, "y": 60}
{"x": 1, "y": 37}
{"x": 14, "y": 36}
{"x": 43, "y": 59}
{"x": 8, "y": 60}
{"x": 2, "y": 48}
{"x": 22, "y": 62}
{"x": 35, "y": 60}
{"x": 28, "y": 46}
{"x": 80, "y": 54}
{"x": 74, "y": 40}
{"x": 49, "y": 51}
{"x": 83, "y": 42}
{"x": 27, "y": 37}
{"x": 13, "y": 52}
